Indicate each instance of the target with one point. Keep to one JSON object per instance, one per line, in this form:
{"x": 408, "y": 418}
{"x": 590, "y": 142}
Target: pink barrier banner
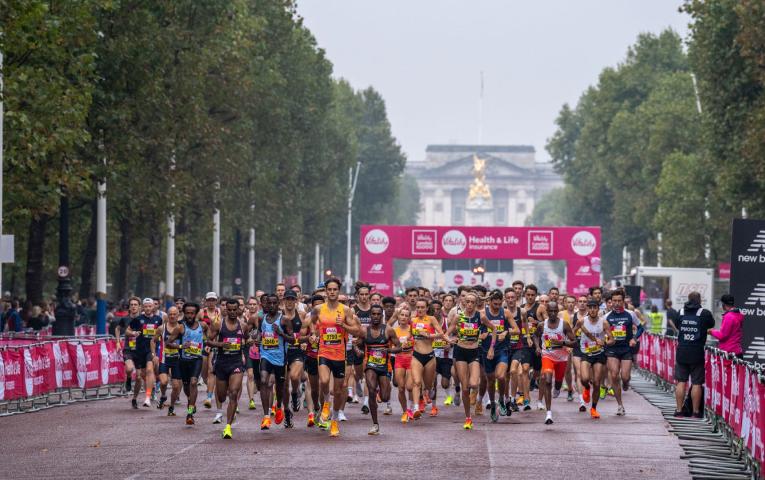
{"x": 66, "y": 371}
{"x": 12, "y": 384}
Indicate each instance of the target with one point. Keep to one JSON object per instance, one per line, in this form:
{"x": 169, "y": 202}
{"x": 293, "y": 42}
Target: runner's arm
{"x": 571, "y": 338}
{"x": 514, "y": 330}
{"x": 607, "y": 331}
{"x": 393, "y": 338}
{"x": 487, "y": 323}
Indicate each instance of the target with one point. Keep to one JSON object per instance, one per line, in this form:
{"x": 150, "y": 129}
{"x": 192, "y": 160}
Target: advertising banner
{"x": 747, "y": 283}
{"x": 578, "y": 246}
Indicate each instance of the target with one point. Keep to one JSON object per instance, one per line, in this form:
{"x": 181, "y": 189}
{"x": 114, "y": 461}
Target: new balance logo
{"x": 758, "y": 245}
{"x": 377, "y": 267}
{"x": 755, "y": 349}
{"x": 755, "y": 301}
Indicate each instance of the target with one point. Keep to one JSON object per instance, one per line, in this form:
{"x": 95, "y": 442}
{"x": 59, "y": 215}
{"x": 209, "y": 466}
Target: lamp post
{"x": 65, "y": 310}
{"x": 479, "y": 270}
{"x": 352, "y": 180}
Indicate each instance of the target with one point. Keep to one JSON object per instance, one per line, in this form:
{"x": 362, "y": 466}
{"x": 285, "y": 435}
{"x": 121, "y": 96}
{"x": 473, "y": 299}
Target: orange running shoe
{"x": 265, "y": 423}
{"x": 433, "y": 411}
{"x": 404, "y": 418}
{"x": 422, "y": 404}
{"x": 311, "y": 421}
{"x": 426, "y": 396}
{"x": 417, "y": 414}
{"x": 279, "y": 417}
{"x": 468, "y": 424}
{"x": 594, "y": 414}
{"x": 334, "y": 429}
{"x": 324, "y": 412}
{"x": 586, "y": 395}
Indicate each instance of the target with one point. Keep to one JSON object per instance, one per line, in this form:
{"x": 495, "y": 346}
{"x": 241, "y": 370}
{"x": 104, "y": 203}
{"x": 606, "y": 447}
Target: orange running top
{"x": 331, "y": 336}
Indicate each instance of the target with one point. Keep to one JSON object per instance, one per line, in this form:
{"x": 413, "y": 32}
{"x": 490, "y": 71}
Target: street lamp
{"x": 479, "y": 270}
{"x": 352, "y": 180}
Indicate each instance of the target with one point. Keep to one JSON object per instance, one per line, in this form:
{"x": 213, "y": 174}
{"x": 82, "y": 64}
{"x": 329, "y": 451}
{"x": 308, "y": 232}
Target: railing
{"x": 39, "y": 371}
{"x": 734, "y": 393}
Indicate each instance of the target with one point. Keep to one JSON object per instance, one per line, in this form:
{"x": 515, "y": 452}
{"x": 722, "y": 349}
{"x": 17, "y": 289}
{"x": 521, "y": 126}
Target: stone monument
{"x": 479, "y": 211}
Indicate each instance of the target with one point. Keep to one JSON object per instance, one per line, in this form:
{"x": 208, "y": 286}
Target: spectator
{"x": 11, "y": 318}
{"x": 731, "y": 329}
{"x": 694, "y": 323}
{"x": 672, "y": 316}
{"x": 37, "y": 319}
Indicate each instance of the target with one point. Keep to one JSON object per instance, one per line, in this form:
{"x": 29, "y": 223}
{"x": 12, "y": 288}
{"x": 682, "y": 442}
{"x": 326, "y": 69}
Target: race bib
{"x": 376, "y": 358}
{"x": 194, "y": 348}
{"x": 515, "y": 338}
{"x": 499, "y": 325}
{"x": 269, "y": 340}
{"x": 439, "y": 343}
{"x": 619, "y": 331}
{"x": 469, "y": 330}
{"x": 405, "y": 342}
{"x": 149, "y": 329}
{"x": 592, "y": 348}
{"x": 232, "y": 344}
{"x": 331, "y": 336}
{"x": 131, "y": 343}
{"x": 171, "y": 352}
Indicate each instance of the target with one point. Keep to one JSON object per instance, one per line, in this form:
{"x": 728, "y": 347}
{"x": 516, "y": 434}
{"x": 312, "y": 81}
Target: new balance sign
{"x": 746, "y": 283}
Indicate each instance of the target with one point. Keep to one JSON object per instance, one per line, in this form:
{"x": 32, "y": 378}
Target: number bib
{"x": 591, "y": 348}
{"x": 499, "y": 325}
{"x": 232, "y": 345}
{"x": 194, "y": 349}
{"x": 149, "y": 329}
{"x": 419, "y": 330}
{"x": 171, "y": 352}
{"x": 619, "y": 332}
{"x": 269, "y": 340}
{"x": 131, "y": 344}
{"x": 468, "y": 331}
{"x": 331, "y": 336}
{"x": 376, "y": 358}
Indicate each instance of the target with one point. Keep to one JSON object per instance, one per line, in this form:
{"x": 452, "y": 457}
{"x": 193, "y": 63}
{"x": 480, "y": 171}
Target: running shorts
{"x": 423, "y": 358}
{"x": 190, "y": 368}
{"x": 172, "y": 366}
{"x": 557, "y": 368}
{"x": 352, "y": 359}
{"x": 536, "y": 360}
{"x": 223, "y": 370}
{"x": 624, "y": 353}
{"x": 278, "y": 371}
{"x": 404, "y": 361}
{"x": 444, "y": 367}
{"x": 311, "y": 365}
{"x": 490, "y": 366}
{"x": 592, "y": 360}
{"x": 140, "y": 359}
{"x": 577, "y": 350}
{"x": 295, "y": 355}
{"x": 521, "y": 355}
{"x": 253, "y": 363}
{"x": 337, "y": 367}
{"x": 467, "y": 355}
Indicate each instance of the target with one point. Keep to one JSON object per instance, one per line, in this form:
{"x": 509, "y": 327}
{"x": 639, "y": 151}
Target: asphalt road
{"x": 109, "y": 439}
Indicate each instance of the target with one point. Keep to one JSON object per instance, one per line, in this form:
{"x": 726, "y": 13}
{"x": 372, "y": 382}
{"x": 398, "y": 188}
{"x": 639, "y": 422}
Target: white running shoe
{"x": 540, "y": 405}
{"x": 548, "y": 418}
{"x": 388, "y": 411}
{"x": 147, "y": 403}
{"x": 218, "y": 418}
{"x": 620, "y": 411}
{"x": 341, "y": 416}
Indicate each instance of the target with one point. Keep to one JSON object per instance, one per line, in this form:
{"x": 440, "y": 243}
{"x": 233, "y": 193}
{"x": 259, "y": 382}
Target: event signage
{"x": 747, "y": 283}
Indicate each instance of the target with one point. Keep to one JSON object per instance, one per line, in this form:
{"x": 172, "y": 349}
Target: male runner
{"x": 550, "y": 341}
{"x": 208, "y": 315}
{"x": 496, "y": 368}
{"x": 295, "y": 354}
{"x": 142, "y": 329}
{"x": 273, "y": 332}
{"x": 253, "y": 315}
{"x": 134, "y": 310}
{"x": 192, "y": 343}
{"x": 619, "y": 355}
{"x": 520, "y": 356}
{"x": 362, "y": 311}
{"x": 533, "y": 319}
{"x": 169, "y": 368}
{"x": 312, "y": 367}
{"x": 595, "y": 335}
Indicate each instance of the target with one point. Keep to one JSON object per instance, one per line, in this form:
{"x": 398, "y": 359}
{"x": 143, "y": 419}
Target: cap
{"x": 211, "y": 296}
{"x": 727, "y": 299}
{"x": 592, "y": 303}
{"x": 289, "y": 294}
{"x": 148, "y": 300}
{"x": 320, "y": 286}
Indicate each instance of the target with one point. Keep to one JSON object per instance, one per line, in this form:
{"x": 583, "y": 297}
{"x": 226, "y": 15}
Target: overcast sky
{"x": 426, "y": 58}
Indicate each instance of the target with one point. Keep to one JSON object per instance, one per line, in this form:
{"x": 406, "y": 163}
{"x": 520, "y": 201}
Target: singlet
{"x": 422, "y": 327}
{"x": 467, "y": 328}
{"x": 231, "y": 351}
{"x": 332, "y": 338}
{"x": 208, "y": 319}
{"x": 500, "y": 325}
{"x": 271, "y": 343}
{"x": 517, "y": 341}
{"x": 588, "y": 346}
{"x": 194, "y": 341}
{"x": 439, "y": 344}
{"x": 297, "y": 325}
{"x": 532, "y": 320}
{"x": 376, "y": 350}
{"x": 130, "y": 344}
{"x": 405, "y": 337}
{"x": 621, "y": 328}
{"x": 168, "y": 352}
{"x": 147, "y": 327}
{"x": 365, "y": 316}
{"x": 552, "y": 342}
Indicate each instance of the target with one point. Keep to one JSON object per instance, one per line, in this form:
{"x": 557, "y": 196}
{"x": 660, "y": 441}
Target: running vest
{"x": 365, "y": 316}
{"x": 621, "y": 328}
{"x": 271, "y": 343}
{"x": 588, "y": 346}
{"x": 376, "y": 350}
{"x": 131, "y": 342}
{"x": 208, "y": 319}
{"x": 297, "y": 325}
{"x": 517, "y": 341}
{"x": 468, "y": 328}
{"x": 405, "y": 338}
{"x": 332, "y": 337}
{"x": 553, "y": 342}
{"x": 532, "y": 321}
{"x": 500, "y": 325}
{"x": 147, "y": 327}
{"x": 193, "y": 341}
{"x": 439, "y": 344}
{"x": 422, "y": 327}
{"x": 232, "y": 343}
{"x": 169, "y": 353}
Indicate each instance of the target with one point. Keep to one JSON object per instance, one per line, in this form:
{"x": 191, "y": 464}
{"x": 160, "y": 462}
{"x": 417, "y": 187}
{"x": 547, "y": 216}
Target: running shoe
{"x": 218, "y": 418}
{"x": 324, "y": 413}
{"x": 468, "y": 425}
{"x": 502, "y": 408}
{"x": 556, "y": 393}
{"x": 433, "y": 410}
{"x": 679, "y": 414}
{"x": 494, "y": 416}
{"x": 295, "y": 402}
{"x": 279, "y": 416}
{"x": 208, "y": 403}
{"x": 311, "y": 419}
{"x": 594, "y": 413}
{"x": 227, "y": 432}
{"x": 189, "y": 419}
{"x": 620, "y": 411}
{"x": 375, "y": 430}
{"x": 134, "y": 403}
{"x": 540, "y": 405}
{"x": 586, "y": 395}
{"x": 478, "y": 408}
{"x": 449, "y": 400}
{"x": 409, "y": 414}
{"x": 548, "y": 418}
{"x": 161, "y": 403}
{"x": 570, "y": 396}
{"x": 171, "y": 411}
{"x": 341, "y": 416}
{"x": 193, "y": 410}
{"x": 473, "y": 397}
{"x": 355, "y": 399}
{"x": 421, "y": 404}
{"x": 426, "y": 398}
{"x": 526, "y": 406}
{"x": 334, "y": 429}
{"x": 147, "y": 402}
{"x": 404, "y": 418}
{"x": 457, "y": 398}
{"x": 265, "y": 424}
{"x": 252, "y": 404}
{"x": 513, "y": 408}
{"x": 349, "y": 399}
{"x": 417, "y": 414}
{"x": 611, "y": 392}
{"x": 388, "y": 411}
{"x": 365, "y": 409}
{"x": 288, "y": 419}
{"x": 603, "y": 392}
{"x": 582, "y": 407}
{"x": 520, "y": 400}
{"x": 625, "y": 386}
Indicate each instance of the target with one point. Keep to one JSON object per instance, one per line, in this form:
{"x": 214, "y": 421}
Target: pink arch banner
{"x": 578, "y": 246}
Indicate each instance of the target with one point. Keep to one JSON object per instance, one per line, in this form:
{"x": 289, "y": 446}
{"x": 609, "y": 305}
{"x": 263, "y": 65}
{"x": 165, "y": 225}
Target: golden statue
{"x": 479, "y": 188}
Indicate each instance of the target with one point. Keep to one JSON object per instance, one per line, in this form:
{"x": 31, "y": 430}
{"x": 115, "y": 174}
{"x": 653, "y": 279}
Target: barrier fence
{"x": 38, "y": 370}
{"x": 734, "y": 391}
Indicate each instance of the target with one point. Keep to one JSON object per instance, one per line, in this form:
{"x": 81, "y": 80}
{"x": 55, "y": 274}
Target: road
{"x": 109, "y": 439}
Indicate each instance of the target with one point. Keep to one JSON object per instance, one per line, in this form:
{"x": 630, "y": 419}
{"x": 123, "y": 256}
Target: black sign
{"x": 747, "y": 283}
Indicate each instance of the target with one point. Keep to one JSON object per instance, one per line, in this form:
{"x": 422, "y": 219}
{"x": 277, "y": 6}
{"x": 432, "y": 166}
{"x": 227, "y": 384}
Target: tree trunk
{"x": 89, "y": 255}
{"x": 35, "y": 252}
{"x": 154, "y": 271}
{"x": 123, "y": 269}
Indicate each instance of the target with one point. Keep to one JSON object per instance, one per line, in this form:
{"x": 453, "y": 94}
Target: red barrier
{"x": 733, "y": 389}
{"x": 31, "y": 369}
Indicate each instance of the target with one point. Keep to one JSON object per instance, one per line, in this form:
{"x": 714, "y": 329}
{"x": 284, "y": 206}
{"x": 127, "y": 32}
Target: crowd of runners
{"x": 474, "y": 348}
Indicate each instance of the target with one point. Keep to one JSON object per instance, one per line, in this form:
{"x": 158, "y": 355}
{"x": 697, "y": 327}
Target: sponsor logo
{"x": 756, "y": 250}
{"x": 423, "y": 242}
{"x": 540, "y": 243}
{"x": 376, "y": 241}
{"x": 583, "y": 271}
{"x": 458, "y": 279}
{"x": 454, "y": 242}
{"x": 2, "y": 379}
{"x": 500, "y": 283}
{"x": 755, "y": 302}
{"x": 583, "y": 243}
{"x": 376, "y": 268}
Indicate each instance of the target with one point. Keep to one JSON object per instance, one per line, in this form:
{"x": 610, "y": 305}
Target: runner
{"x": 192, "y": 342}
{"x": 362, "y": 311}
{"x": 230, "y": 337}
{"x": 377, "y": 339}
{"x": 142, "y": 329}
{"x": 273, "y": 332}
{"x": 442, "y": 351}
{"x": 576, "y": 355}
{"x": 550, "y": 342}
{"x": 496, "y": 367}
{"x": 129, "y": 346}
{"x": 619, "y": 354}
{"x": 402, "y": 366}
{"x": 389, "y": 308}
{"x": 520, "y": 356}
{"x": 466, "y": 354}
{"x": 533, "y": 318}
{"x": 595, "y": 335}
{"x": 425, "y": 329}
{"x": 312, "y": 367}
{"x": 169, "y": 368}
{"x": 295, "y": 353}
{"x": 329, "y": 322}
{"x": 253, "y": 314}
{"x": 208, "y": 315}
